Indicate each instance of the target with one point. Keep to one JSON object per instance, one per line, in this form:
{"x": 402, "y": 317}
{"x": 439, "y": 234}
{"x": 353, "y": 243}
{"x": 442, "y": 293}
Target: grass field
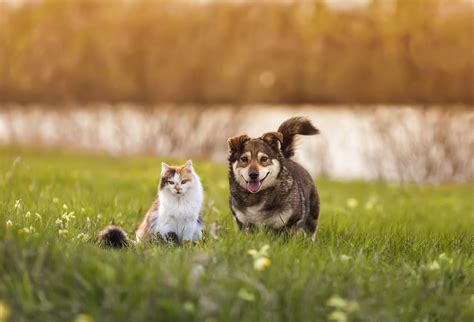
{"x": 384, "y": 253}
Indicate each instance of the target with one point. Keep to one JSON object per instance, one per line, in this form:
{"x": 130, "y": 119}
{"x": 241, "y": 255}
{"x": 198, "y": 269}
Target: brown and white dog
{"x": 268, "y": 188}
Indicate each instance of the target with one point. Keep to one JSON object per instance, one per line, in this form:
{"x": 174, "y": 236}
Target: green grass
{"x": 392, "y": 253}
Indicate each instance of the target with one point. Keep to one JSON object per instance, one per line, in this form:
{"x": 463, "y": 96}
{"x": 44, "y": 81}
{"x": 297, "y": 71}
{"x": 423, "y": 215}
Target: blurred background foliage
{"x": 400, "y": 51}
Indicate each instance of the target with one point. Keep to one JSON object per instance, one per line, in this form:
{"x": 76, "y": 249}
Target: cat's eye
{"x": 244, "y": 159}
{"x": 263, "y": 159}
{"x": 170, "y": 182}
{"x": 184, "y": 181}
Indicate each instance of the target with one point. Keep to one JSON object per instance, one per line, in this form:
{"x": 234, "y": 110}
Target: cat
{"x": 174, "y": 216}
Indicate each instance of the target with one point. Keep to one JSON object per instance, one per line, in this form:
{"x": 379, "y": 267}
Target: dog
{"x": 269, "y": 189}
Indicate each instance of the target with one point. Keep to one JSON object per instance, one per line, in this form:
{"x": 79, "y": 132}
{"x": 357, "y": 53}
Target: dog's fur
{"x": 268, "y": 188}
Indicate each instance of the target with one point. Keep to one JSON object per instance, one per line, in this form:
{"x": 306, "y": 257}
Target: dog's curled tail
{"x": 292, "y": 127}
{"x": 113, "y": 237}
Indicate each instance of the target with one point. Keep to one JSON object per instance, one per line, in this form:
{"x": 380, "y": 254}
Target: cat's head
{"x": 177, "y": 180}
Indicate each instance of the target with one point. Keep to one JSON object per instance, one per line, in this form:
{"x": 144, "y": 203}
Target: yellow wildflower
{"x": 433, "y": 266}
{"x": 352, "y": 203}
{"x": 4, "y": 311}
{"x": 83, "y": 318}
{"x": 338, "y": 316}
{"x": 246, "y": 295}
{"x": 261, "y": 264}
{"x": 336, "y": 301}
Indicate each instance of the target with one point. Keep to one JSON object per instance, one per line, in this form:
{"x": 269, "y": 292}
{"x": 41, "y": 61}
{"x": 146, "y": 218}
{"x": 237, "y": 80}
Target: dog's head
{"x": 255, "y": 162}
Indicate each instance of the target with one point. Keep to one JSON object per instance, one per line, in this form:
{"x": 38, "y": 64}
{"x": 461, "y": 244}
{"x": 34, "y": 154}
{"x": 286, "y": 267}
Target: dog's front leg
{"x": 237, "y": 223}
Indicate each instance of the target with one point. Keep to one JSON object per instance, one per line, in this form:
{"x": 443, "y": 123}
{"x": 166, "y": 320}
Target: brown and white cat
{"x": 173, "y": 216}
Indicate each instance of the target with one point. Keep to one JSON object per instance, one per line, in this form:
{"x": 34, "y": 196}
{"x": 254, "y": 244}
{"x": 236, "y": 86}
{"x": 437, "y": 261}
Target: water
{"x": 401, "y": 144}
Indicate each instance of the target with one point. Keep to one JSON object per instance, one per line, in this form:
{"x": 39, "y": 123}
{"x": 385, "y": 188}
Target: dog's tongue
{"x": 253, "y": 186}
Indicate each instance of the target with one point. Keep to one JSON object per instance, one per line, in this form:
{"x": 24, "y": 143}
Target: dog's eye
{"x": 184, "y": 181}
{"x": 244, "y": 159}
{"x": 263, "y": 159}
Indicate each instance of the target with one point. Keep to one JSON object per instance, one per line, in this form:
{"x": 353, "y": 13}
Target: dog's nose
{"x": 253, "y": 174}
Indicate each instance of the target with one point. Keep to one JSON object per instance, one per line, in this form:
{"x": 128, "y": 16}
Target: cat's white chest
{"x": 180, "y": 217}
{"x": 184, "y": 227}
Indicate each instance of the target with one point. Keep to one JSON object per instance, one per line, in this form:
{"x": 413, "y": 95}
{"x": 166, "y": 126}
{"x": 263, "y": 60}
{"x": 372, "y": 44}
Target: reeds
{"x": 417, "y": 51}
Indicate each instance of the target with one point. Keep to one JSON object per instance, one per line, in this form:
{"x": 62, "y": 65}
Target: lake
{"x": 394, "y": 143}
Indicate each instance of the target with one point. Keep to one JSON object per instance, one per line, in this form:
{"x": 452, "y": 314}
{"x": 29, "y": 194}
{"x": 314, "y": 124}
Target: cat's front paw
{"x": 171, "y": 238}
{"x": 157, "y": 238}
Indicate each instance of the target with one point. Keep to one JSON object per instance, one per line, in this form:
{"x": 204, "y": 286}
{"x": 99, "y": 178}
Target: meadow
{"x": 384, "y": 252}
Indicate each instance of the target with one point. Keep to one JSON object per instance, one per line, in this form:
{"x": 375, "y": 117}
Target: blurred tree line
{"x": 393, "y": 51}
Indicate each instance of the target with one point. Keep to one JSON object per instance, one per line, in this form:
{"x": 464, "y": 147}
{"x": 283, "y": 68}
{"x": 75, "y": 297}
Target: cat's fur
{"x": 174, "y": 216}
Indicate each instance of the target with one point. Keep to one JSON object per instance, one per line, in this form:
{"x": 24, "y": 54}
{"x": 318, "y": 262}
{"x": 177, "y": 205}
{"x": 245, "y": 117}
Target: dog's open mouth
{"x": 254, "y": 185}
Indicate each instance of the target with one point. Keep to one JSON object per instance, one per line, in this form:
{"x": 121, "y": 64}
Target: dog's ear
{"x": 274, "y": 139}
{"x": 236, "y": 143}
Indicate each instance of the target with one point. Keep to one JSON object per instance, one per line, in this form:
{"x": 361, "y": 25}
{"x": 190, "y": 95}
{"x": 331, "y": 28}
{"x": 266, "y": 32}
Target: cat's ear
{"x": 236, "y": 143}
{"x": 189, "y": 165}
{"x": 164, "y": 168}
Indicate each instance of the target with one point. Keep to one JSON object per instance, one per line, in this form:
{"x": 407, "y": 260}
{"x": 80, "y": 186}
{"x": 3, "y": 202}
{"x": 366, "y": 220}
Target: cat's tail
{"x": 113, "y": 237}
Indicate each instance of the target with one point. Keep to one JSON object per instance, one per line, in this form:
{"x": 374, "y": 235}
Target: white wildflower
{"x": 18, "y": 204}
{"x": 433, "y": 266}
{"x": 246, "y": 295}
{"x": 25, "y": 230}
{"x": 342, "y": 309}
{"x": 189, "y": 306}
{"x": 345, "y": 258}
{"x": 83, "y": 237}
{"x": 445, "y": 259}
